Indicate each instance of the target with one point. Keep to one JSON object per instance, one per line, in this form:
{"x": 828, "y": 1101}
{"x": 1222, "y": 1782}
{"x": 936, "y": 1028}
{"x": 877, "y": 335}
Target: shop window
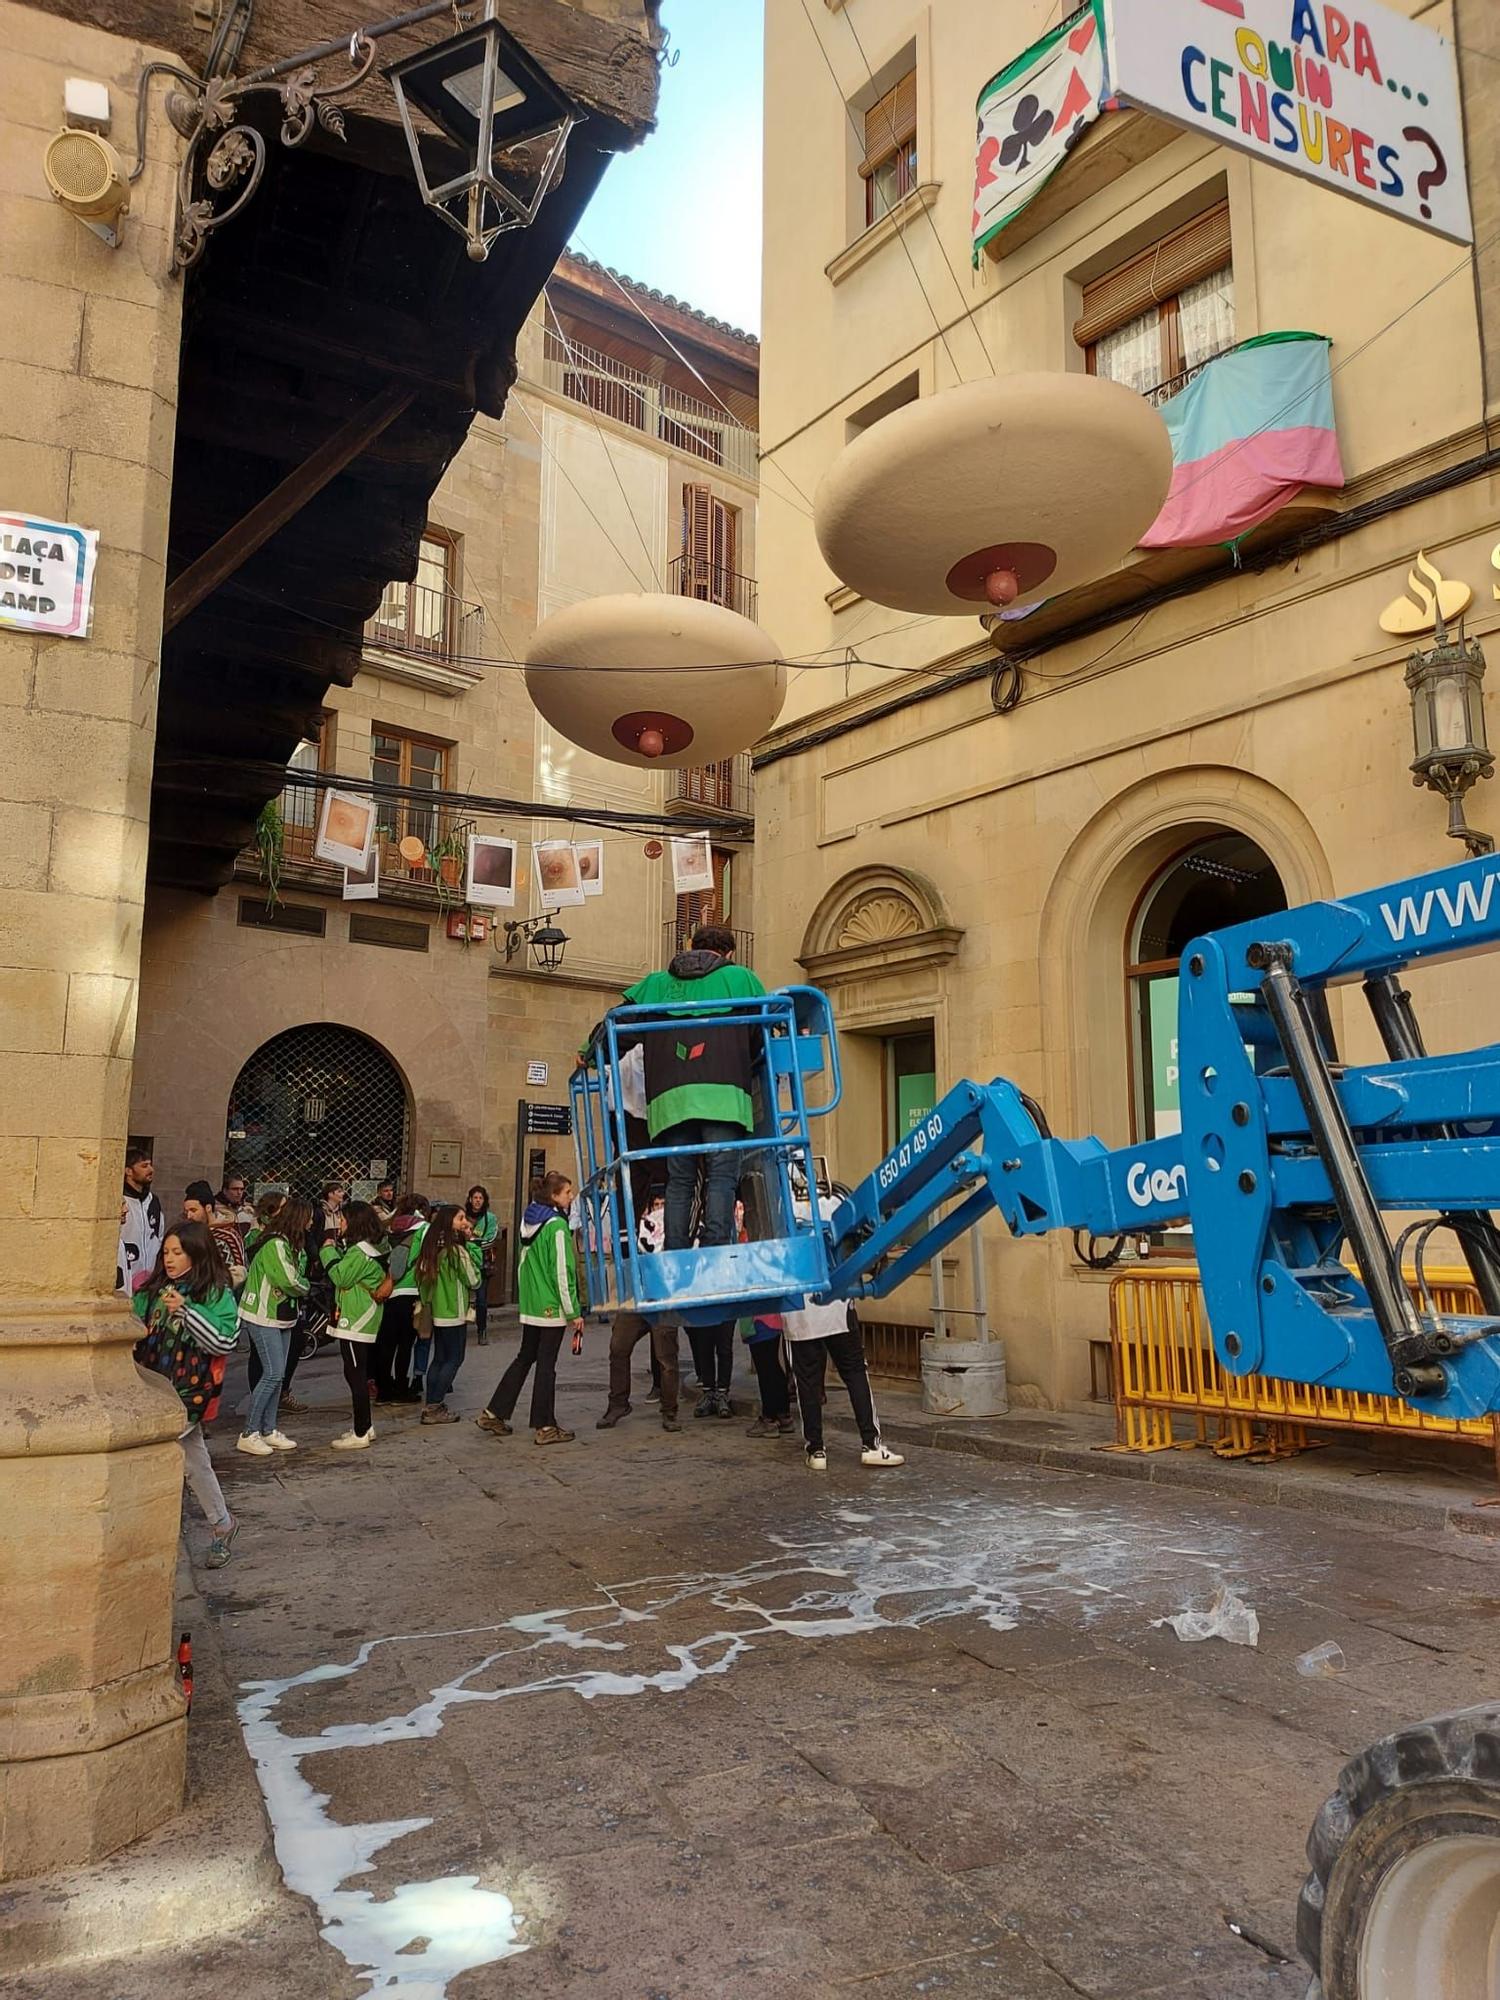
{"x": 1225, "y": 879}
{"x": 1152, "y": 322}
{"x": 418, "y": 764}
{"x": 910, "y": 1081}
{"x": 889, "y": 166}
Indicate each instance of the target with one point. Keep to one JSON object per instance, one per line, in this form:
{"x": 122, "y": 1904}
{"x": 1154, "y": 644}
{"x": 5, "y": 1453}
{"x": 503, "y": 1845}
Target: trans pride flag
{"x": 1247, "y": 435}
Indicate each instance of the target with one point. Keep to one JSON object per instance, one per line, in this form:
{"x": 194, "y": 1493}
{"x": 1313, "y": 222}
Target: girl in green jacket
{"x": 486, "y": 1227}
{"x": 355, "y": 1261}
{"x": 276, "y": 1279}
{"x": 551, "y": 1301}
{"x": 190, "y": 1330}
{"x": 448, "y": 1274}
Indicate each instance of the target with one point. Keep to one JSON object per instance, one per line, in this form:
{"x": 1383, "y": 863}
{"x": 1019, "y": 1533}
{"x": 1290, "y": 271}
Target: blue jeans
{"x": 448, "y": 1345}
{"x": 721, "y": 1176}
{"x": 270, "y": 1343}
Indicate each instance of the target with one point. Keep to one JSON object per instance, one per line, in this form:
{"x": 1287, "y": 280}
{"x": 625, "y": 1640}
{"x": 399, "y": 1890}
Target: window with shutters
{"x": 889, "y": 166}
{"x": 1153, "y": 322}
{"x": 709, "y": 567}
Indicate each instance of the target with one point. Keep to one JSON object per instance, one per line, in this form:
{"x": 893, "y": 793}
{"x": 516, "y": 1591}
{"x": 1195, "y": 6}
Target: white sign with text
{"x": 46, "y": 576}
{"x": 1355, "y": 97}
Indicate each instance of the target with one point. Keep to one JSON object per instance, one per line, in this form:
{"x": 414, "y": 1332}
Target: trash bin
{"x": 963, "y": 1378}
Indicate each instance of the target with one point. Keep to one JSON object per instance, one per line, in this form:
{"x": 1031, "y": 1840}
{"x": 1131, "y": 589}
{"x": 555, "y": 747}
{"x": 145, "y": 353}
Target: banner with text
{"x": 1033, "y": 114}
{"x": 1355, "y": 97}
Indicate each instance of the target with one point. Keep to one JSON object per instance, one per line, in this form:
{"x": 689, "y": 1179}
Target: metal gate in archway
{"x": 317, "y": 1104}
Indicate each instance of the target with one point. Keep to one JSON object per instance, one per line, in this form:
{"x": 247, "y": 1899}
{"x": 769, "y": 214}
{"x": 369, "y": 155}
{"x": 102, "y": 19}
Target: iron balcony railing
{"x": 677, "y": 935}
{"x": 431, "y": 824}
{"x": 416, "y": 618}
{"x": 686, "y": 423}
{"x": 726, "y": 787}
{"x": 695, "y": 576}
{"x": 1175, "y": 384}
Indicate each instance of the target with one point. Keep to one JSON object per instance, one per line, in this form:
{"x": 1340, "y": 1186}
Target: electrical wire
{"x": 853, "y": 123}
{"x": 848, "y": 20}
{"x": 649, "y": 825}
{"x": 568, "y": 349}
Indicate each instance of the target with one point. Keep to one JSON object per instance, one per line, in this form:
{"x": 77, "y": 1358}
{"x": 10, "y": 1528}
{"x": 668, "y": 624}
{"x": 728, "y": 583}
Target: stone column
{"x": 92, "y": 1727}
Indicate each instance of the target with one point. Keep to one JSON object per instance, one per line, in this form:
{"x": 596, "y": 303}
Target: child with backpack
{"x": 190, "y": 1329}
{"x": 361, "y": 1284}
{"x": 551, "y": 1301}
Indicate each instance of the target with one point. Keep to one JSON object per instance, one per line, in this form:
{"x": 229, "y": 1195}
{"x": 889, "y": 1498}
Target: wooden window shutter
{"x": 1195, "y": 251}
{"x": 890, "y": 121}
{"x": 697, "y": 522}
{"x": 723, "y": 551}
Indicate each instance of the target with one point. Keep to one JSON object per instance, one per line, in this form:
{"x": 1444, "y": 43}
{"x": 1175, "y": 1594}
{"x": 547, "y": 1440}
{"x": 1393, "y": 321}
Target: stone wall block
{"x": 33, "y": 1011}
{"x": 41, "y": 324}
{"x": 101, "y": 1015}
{"x": 56, "y": 1096}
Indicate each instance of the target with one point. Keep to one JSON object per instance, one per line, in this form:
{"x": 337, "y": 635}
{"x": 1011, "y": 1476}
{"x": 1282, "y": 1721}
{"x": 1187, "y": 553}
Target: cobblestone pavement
{"x": 672, "y": 1717}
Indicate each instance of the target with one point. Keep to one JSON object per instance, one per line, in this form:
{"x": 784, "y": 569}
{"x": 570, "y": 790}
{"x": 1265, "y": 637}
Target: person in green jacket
{"x": 355, "y": 1262}
{"x": 448, "y": 1272}
{"x": 191, "y": 1327}
{"x": 698, "y": 1084}
{"x": 276, "y": 1279}
{"x": 486, "y": 1227}
{"x": 551, "y": 1301}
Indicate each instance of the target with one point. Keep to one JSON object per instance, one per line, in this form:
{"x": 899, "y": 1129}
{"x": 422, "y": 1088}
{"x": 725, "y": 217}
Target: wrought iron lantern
{"x": 487, "y": 97}
{"x": 546, "y": 940}
{"x": 1446, "y": 683}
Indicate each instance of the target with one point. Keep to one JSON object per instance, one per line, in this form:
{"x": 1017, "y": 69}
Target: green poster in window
{"x": 1166, "y": 1097}
{"x": 916, "y": 1094}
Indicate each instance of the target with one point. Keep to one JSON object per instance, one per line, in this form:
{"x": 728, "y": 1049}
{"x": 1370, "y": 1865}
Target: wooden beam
{"x": 283, "y": 503}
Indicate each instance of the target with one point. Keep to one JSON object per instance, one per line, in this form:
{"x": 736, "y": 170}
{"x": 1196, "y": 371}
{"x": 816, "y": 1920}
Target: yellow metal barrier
{"x": 1165, "y": 1365}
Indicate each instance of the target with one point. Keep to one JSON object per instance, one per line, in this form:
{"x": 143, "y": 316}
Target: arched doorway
{"x": 1222, "y": 878}
{"x": 316, "y": 1104}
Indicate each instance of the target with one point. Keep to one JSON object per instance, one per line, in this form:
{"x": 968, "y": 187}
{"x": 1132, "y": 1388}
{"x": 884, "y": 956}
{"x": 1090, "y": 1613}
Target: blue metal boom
{"x": 1285, "y": 1155}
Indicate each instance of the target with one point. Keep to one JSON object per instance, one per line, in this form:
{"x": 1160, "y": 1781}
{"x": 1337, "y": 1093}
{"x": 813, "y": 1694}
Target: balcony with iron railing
{"x": 677, "y": 935}
{"x": 712, "y": 583}
{"x": 713, "y": 791}
{"x": 419, "y": 624}
{"x": 687, "y": 423}
{"x": 437, "y": 827}
{"x": 1163, "y": 392}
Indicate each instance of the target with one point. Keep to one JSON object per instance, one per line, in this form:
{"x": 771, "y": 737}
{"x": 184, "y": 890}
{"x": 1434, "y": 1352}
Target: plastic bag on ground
{"x": 1229, "y": 1618}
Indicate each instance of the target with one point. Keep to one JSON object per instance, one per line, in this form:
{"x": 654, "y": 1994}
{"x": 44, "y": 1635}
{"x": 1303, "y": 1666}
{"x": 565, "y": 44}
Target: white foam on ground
{"x": 969, "y": 1558}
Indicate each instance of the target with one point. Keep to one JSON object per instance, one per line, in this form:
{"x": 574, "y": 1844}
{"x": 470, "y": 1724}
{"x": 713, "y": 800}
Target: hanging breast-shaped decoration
{"x": 655, "y": 679}
{"x": 996, "y": 493}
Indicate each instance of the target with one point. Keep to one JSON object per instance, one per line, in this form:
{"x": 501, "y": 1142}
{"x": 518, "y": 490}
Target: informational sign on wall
{"x": 46, "y": 576}
{"x": 1165, "y": 1108}
{"x": 536, "y": 1072}
{"x": 1355, "y": 97}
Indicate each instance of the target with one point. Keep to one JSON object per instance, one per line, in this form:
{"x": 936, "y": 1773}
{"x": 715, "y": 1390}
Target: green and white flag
{"x": 1033, "y": 114}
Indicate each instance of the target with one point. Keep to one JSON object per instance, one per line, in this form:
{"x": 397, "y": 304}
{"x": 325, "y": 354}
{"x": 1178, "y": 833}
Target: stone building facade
{"x": 992, "y": 867}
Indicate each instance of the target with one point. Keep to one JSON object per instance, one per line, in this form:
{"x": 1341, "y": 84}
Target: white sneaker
{"x": 817, "y": 1461}
{"x": 254, "y": 1445}
{"x": 352, "y": 1441}
{"x": 881, "y": 1454}
{"x": 279, "y": 1441}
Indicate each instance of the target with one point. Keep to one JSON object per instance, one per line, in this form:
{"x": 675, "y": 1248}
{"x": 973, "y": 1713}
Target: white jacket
{"x": 814, "y": 1322}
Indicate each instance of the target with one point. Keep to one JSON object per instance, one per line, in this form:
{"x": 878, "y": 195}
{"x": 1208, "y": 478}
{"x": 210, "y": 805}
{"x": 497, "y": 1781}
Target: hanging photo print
{"x": 692, "y": 863}
{"x": 492, "y": 872}
{"x": 557, "y": 876}
{"x": 346, "y": 830}
{"x": 590, "y": 866}
{"x": 362, "y": 885}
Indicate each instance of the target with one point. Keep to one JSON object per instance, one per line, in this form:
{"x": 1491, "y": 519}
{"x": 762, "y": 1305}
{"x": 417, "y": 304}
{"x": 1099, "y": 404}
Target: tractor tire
{"x": 1403, "y": 1902}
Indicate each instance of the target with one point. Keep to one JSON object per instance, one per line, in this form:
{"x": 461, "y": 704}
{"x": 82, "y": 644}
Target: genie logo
{"x": 1146, "y": 1188}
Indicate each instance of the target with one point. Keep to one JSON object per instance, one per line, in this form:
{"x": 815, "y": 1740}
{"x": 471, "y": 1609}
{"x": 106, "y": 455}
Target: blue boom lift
{"x": 1285, "y": 1155}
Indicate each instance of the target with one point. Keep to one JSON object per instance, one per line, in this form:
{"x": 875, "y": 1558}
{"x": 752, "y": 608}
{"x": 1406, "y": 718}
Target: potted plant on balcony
{"x": 270, "y": 845}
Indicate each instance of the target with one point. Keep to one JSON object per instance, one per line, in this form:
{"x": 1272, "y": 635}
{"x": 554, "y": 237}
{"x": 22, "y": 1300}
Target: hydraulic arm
{"x": 1285, "y": 1155}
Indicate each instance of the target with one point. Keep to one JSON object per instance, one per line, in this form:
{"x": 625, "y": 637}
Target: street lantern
{"x": 549, "y": 944}
{"x": 546, "y": 940}
{"x": 1446, "y": 683}
{"x": 507, "y": 117}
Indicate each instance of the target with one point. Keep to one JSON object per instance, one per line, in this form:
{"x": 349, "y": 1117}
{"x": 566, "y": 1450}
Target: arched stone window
{"x": 877, "y": 920}
{"x": 316, "y": 1104}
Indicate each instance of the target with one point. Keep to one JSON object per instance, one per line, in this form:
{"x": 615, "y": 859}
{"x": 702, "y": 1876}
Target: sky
{"x": 682, "y": 212}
